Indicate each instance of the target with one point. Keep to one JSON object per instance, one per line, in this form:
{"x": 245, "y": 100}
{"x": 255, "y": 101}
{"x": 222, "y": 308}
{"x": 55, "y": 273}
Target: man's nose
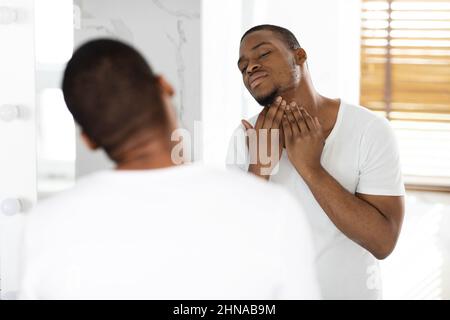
{"x": 253, "y": 67}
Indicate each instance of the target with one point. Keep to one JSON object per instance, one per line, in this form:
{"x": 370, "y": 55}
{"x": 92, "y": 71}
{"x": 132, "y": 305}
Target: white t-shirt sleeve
{"x": 297, "y": 262}
{"x": 379, "y": 162}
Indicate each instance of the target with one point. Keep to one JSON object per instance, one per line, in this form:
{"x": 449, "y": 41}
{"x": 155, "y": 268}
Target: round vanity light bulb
{"x": 11, "y": 206}
{"x": 9, "y": 113}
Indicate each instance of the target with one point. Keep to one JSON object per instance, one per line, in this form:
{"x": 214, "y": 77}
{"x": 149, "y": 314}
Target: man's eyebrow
{"x": 260, "y": 44}
{"x": 254, "y": 48}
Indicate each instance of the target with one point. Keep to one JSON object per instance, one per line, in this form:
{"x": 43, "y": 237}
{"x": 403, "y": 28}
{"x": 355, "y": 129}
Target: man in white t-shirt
{"x": 340, "y": 161}
{"x": 151, "y": 229}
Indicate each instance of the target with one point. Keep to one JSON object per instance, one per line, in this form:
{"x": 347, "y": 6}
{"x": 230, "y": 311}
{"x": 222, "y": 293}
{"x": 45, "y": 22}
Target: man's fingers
{"x": 270, "y": 116}
{"x": 296, "y": 112}
{"x": 246, "y": 125}
{"x": 292, "y": 121}
{"x": 287, "y": 130}
{"x": 279, "y": 115}
{"x": 308, "y": 119}
{"x": 300, "y": 120}
{"x": 261, "y": 117}
{"x": 277, "y": 102}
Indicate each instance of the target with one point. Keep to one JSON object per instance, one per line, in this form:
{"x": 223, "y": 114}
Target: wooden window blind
{"x": 405, "y": 74}
{"x": 405, "y": 59}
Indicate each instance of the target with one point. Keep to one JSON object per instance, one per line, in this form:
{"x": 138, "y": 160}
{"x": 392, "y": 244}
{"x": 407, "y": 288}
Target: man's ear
{"x": 88, "y": 141}
{"x": 300, "y": 56}
{"x": 165, "y": 86}
{"x": 167, "y": 93}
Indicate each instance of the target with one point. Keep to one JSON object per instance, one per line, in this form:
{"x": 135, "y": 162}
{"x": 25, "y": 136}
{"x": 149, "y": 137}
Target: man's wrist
{"x": 310, "y": 173}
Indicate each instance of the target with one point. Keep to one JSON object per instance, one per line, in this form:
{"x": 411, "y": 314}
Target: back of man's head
{"x": 113, "y": 94}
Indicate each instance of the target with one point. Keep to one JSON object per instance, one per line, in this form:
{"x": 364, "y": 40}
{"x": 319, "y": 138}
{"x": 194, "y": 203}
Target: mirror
{"x": 166, "y": 32}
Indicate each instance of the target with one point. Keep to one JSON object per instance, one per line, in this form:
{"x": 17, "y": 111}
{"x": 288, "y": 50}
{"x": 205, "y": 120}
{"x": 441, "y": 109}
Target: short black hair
{"x": 286, "y": 35}
{"x": 112, "y": 93}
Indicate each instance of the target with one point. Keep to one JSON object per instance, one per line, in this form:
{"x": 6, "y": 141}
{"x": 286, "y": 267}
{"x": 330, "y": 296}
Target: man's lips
{"x": 256, "y": 79}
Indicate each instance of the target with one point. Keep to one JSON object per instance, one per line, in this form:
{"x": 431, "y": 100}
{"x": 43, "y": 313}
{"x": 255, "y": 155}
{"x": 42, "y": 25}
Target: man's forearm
{"x": 356, "y": 218}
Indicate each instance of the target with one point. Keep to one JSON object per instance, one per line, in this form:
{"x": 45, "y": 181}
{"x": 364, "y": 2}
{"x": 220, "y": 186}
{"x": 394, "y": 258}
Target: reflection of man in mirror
{"x": 151, "y": 229}
{"x": 341, "y": 161}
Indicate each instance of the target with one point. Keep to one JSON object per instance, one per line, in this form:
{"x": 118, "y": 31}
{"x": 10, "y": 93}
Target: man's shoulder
{"x": 359, "y": 119}
{"x": 360, "y": 113}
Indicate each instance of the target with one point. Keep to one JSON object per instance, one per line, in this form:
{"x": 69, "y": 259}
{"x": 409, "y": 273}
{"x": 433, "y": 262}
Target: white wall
{"x": 222, "y": 99}
{"x": 166, "y": 32}
{"x": 17, "y": 138}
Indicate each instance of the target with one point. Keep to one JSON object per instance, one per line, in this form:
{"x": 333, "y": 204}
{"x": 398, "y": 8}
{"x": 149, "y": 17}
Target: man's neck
{"x": 306, "y": 96}
{"x": 151, "y": 154}
{"x": 146, "y": 162}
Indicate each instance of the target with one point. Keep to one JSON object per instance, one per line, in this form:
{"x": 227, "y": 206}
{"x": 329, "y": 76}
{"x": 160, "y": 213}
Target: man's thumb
{"x": 246, "y": 124}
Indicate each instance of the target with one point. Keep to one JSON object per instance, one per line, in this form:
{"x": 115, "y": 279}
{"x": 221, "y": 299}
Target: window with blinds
{"x": 405, "y": 74}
